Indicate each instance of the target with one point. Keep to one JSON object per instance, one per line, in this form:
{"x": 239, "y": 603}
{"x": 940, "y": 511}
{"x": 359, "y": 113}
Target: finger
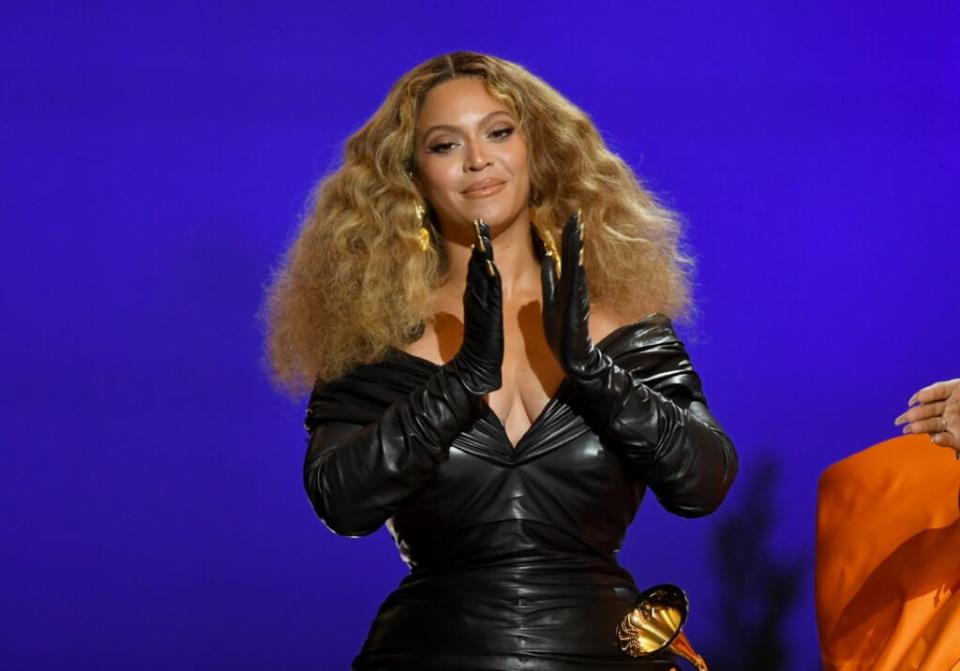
{"x": 932, "y": 425}
{"x": 569, "y": 255}
{"x": 481, "y": 270}
{"x": 919, "y": 412}
{"x": 483, "y": 233}
{"x": 478, "y": 235}
{"x": 548, "y": 279}
{"x": 476, "y": 276}
{"x": 485, "y": 244}
{"x": 494, "y": 292}
{"x": 574, "y": 260}
{"x": 580, "y": 236}
{"x": 572, "y": 243}
{"x": 934, "y": 392}
{"x": 580, "y": 315}
{"x": 579, "y": 275}
{"x": 495, "y": 295}
{"x": 945, "y": 439}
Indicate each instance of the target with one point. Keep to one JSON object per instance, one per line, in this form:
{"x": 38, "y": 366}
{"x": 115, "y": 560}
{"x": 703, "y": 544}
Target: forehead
{"x": 458, "y": 101}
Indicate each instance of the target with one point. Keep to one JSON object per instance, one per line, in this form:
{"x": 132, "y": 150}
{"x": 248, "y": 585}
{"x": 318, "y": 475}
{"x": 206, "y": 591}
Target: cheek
{"x": 436, "y": 180}
{"x": 522, "y": 170}
{"x": 519, "y": 162}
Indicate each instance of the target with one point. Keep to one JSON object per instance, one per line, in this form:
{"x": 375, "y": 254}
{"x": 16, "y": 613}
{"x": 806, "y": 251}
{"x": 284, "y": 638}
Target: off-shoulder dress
{"x": 512, "y": 549}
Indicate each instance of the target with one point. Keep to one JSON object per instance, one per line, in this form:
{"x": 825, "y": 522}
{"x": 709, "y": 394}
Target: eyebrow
{"x": 456, "y": 128}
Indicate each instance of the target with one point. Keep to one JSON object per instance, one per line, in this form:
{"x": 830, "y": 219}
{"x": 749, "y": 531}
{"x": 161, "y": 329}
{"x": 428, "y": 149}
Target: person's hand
{"x": 935, "y": 410}
{"x": 566, "y": 303}
{"x": 480, "y": 358}
{"x": 677, "y": 446}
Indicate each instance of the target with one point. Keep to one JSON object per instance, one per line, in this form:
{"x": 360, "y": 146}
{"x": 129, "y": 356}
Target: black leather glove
{"x": 357, "y": 475}
{"x": 675, "y": 444}
{"x": 479, "y": 361}
{"x": 566, "y": 306}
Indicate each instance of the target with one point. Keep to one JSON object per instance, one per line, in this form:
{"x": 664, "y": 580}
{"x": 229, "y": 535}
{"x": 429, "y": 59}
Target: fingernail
{"x": 913, "y": 399}
{"x": 476, "y": 228}
{"x": 899, "y": 420}
{"x": 906, "y": 429}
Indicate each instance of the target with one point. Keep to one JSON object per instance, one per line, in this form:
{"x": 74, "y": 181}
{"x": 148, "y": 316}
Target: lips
{"x": 483, "y": 186}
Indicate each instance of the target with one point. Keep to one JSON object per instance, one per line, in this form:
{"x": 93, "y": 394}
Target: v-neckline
{"x": 493, "y": 418}
{"x": 541, "y": 416}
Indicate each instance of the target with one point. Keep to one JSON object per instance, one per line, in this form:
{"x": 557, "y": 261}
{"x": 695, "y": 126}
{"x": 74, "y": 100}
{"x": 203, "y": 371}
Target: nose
{"x": 475, "y": 159}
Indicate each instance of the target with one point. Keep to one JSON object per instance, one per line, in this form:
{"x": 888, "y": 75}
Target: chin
{"x": 491, "y": 218}
{"x": 495, "y": 217}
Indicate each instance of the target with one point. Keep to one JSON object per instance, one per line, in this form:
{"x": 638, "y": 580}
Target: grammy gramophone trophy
{"x": 656, "y": 623}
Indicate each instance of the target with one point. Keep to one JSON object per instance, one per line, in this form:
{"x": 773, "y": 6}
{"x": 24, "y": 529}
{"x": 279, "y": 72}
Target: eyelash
{"x": 500, "y": 134}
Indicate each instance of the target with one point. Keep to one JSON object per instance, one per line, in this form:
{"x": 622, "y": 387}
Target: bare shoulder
{"x": 426, "y": 345}
{"x": 603, "y": 322}
{"x": 440, "y": 340}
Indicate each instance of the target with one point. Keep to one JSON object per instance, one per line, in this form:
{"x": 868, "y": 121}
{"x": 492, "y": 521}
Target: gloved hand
{"x": 566, "y": 306}
{"x": 480, "y": 358}
{"x": 358, "y": 475}
{"x": 604, "y": 388}
{"x": 678, "y": 447}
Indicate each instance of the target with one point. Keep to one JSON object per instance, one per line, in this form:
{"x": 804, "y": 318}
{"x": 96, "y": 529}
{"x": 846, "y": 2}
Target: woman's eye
{"x": 441, "y": 147}
{"x": 502, "y": 133}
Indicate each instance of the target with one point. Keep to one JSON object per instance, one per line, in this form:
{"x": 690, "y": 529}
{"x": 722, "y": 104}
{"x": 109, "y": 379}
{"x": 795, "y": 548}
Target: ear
{"x": 413, "y": 173}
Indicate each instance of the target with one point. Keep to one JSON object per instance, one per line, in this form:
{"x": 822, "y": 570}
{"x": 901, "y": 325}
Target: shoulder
{"x": 603, "y": 322}
{"x": 365, "y": 391}
{"x": 653, "y": 329}
{"x": 651, "y": 349}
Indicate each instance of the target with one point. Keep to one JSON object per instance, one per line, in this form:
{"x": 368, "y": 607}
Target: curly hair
{"x": 355, "y": 282}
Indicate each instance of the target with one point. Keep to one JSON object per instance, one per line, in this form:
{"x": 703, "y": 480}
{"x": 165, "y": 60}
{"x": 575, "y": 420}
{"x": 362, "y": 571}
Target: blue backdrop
{"x": 156, "y": 160}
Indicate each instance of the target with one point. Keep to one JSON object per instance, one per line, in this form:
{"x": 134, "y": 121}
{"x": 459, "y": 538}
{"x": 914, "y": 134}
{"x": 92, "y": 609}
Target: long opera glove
{"x": 357, "y": 475}
{"x": 653, "y": 415}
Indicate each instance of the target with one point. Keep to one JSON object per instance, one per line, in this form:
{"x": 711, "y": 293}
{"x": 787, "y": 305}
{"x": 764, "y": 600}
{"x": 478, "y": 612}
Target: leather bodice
{"x": 512, "y": 549}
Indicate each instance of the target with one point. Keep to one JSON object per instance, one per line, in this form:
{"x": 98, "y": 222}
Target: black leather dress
{"x": 512, "y": 550}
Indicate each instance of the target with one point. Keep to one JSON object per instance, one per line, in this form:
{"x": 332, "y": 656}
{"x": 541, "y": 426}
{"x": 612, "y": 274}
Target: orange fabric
{"x": 888, "y": 559}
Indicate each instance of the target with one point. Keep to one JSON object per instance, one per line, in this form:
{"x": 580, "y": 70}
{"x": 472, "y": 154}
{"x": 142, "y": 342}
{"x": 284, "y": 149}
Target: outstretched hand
{"x": 566, "y": 303}
{"x": 935, "y": 410}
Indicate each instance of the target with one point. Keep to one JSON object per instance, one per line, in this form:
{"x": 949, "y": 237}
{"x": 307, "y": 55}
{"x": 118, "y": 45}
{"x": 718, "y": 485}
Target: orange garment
{"x": 888, "y": 559}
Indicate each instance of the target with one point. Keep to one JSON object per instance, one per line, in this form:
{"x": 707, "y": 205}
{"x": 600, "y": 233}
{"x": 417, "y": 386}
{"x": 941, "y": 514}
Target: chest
{"x": 560, "y": 490}
{"x": 530, "y": 372}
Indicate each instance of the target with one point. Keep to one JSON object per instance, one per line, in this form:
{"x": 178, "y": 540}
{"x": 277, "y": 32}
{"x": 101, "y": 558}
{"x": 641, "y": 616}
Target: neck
{"x": 513, "y": 254}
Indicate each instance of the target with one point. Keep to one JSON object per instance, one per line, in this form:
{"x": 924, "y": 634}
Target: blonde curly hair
{"x": 355, "y": 282}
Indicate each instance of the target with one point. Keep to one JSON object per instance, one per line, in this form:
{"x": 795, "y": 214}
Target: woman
{"x": 470, "y": 393}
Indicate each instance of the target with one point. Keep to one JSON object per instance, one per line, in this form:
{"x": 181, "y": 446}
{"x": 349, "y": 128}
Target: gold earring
{"x": 423, "y": 233}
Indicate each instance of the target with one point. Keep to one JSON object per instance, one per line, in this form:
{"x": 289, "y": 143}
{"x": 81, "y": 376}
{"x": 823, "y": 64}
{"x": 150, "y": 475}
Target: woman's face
{"x": 471, "y": 159}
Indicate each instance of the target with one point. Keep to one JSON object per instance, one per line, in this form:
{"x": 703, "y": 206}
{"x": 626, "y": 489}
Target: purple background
{"x": 155, "y": 163}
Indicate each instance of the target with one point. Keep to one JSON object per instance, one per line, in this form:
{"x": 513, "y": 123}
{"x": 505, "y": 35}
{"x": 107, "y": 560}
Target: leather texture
{"x": 512, "y": 550}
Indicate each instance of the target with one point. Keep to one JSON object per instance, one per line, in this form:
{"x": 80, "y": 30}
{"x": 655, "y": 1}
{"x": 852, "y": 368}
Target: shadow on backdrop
{"x": 757, "y": 589}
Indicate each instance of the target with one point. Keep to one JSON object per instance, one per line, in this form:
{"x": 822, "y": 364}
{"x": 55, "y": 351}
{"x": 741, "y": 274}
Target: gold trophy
{"x": 655, "y": 625}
